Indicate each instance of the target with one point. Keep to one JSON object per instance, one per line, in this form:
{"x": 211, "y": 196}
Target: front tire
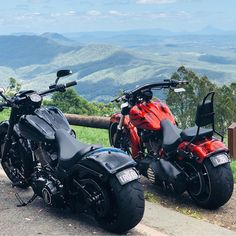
{"x": 123, "y": 143}
{"x": 16, "y": 165}
{"x": 126, "y": 207}
{"x": 212, "y": 186}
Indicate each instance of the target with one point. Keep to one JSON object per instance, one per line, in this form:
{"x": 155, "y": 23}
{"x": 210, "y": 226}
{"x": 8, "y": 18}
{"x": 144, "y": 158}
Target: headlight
{"x": 35, "y": 98}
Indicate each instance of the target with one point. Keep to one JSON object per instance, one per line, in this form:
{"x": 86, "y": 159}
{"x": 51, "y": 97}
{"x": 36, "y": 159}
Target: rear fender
{"x": 103, "y": 163}
{"x": 208, "y": 148}
{"x": 112, "y": 160}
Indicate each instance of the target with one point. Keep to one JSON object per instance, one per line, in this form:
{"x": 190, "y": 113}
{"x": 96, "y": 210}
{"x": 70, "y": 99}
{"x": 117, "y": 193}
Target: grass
{"x": 4, "y": 114}
{"x": 189, "y": 212}
{"x": 151, "y": 197}
{"x": 99, "y": 136}
{"x": 233, "y": 167}
{"x": 92, "y": 135}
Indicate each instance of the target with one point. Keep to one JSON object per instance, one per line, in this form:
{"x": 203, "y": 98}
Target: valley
{"x": 104, "y": 64}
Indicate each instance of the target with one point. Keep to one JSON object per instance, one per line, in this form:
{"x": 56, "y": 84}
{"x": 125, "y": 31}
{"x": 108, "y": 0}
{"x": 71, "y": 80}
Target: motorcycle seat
{"x": 70, "y": 149}
{"x": 189, "y": 133}
{"x": 171, "y": 136}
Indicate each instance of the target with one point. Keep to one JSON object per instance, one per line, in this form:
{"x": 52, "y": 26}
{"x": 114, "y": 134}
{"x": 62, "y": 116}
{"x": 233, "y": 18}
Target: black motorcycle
{"x": 39, "y": 149}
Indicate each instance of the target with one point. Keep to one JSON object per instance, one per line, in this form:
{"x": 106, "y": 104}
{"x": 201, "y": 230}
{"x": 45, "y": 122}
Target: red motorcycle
{"x": 190, "y": 160}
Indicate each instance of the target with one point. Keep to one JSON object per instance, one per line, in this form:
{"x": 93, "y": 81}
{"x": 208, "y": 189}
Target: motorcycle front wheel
{"x": 123, "y": 142}
{"x": 16, "y": 167}
{"x": 211, "y": 187}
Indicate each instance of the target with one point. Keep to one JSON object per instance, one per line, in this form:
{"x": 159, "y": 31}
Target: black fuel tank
{"x": 42, "y": 124}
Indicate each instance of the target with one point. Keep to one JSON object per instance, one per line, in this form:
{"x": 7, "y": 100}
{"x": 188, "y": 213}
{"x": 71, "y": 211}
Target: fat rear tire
{"x": 217, "y": 185}
{"x": 127, "y": 207}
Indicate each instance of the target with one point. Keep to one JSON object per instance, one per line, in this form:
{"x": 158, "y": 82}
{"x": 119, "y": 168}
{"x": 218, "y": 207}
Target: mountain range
{"x": 106, "y": 62}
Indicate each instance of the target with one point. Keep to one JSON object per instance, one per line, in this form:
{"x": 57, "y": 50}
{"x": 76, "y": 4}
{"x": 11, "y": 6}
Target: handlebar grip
{"x": 116, "y": 99}
{"x": 184, "y": 82}
{"x": 3, "y": 105}
{"x": 70, "y": 84}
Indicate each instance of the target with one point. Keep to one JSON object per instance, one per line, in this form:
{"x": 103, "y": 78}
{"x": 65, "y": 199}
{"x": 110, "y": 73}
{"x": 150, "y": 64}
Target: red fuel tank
{"x": 148, "y": 115}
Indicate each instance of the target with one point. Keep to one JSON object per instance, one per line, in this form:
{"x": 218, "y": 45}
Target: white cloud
{"x": 155, "y": 1}
{"x": 36, "y": 14}
{"x": 55, "y": 15}
{"x": 117, "y": 13}
{"x": 159, "y": 15}
{"x": 71, "y": 13}
{"x": 183, "y": 14}
{"x": 94, "y": 13}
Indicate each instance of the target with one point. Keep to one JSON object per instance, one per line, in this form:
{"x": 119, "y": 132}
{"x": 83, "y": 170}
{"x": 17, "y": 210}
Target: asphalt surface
{"x": 38, "y": 219}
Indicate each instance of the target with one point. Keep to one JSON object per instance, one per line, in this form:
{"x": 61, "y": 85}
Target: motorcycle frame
{"x": 201, "y": 149}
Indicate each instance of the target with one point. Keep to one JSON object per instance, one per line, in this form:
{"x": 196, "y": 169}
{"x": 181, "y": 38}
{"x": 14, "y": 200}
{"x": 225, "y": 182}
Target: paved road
{"x": 38, "y": 219}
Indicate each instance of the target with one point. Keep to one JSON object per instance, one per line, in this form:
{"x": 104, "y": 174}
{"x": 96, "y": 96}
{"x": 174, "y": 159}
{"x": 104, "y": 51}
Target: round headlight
{"x": 35, "y": 97}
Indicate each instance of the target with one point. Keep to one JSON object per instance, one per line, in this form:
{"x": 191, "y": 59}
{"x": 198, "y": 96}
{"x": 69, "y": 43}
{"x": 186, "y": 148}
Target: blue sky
{"x": 40, "y": 16}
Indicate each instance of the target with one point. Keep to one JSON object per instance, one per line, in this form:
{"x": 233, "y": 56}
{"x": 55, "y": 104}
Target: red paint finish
{"x": 149, "y": 115}
{"x": 204, "y": 148}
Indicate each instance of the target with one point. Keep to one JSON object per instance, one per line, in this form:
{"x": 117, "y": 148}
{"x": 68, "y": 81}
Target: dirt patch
{"x": 225, "y": 216}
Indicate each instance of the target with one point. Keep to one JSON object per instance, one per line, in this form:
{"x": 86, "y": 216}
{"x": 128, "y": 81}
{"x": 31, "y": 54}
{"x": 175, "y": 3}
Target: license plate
{"x": 219, "y": 159}
{"x": 127, "y": 176}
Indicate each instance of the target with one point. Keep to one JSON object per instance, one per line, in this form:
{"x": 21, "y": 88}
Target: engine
{"x": 46, "y": 155}
{"x": 43, "y": 182}
{"x": 151, "y": 141}
{"x": 47, "y": 187}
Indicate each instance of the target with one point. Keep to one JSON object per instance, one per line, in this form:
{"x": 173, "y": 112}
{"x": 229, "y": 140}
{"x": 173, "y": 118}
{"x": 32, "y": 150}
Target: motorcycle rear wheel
{"x": 212, "y": 186}
{"x": 126, "y": 207}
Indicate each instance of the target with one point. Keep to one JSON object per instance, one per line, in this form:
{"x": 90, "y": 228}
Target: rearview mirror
{"x": 62, "y": 73}
{"x": 2, "y": 90}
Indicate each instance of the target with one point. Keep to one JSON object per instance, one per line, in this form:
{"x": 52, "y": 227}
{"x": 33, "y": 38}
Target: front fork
{"x": 119, "y": 131}
{"x": 8, "y": 141}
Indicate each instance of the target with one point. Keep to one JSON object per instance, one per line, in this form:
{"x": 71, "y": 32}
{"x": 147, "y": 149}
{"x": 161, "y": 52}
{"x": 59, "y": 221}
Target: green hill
{"x": 19, "y": 51}
{"x": 104, "y": 69}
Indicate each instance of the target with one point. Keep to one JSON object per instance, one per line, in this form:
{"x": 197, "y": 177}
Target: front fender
{"x": 112, "y": 160}
{"x": 115, "y": 118}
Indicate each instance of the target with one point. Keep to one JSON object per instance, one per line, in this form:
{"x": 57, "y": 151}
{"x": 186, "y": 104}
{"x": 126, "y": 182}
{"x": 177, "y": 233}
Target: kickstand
{"x": 22, "y": 203}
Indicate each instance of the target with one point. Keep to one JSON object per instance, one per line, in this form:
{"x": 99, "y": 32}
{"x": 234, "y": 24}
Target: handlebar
{"x": 3, "y": 105}
{"x": 71, "y": 84}
{"x": 58, "y": 87}
{"x": 16, "y": 100}
{"x": 166, "y": 84}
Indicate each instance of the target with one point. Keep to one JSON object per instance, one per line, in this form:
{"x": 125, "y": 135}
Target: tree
{"x": 184, "y": 105}
{"x": 70, "y": 102}
{"x": 13, "y": 86}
